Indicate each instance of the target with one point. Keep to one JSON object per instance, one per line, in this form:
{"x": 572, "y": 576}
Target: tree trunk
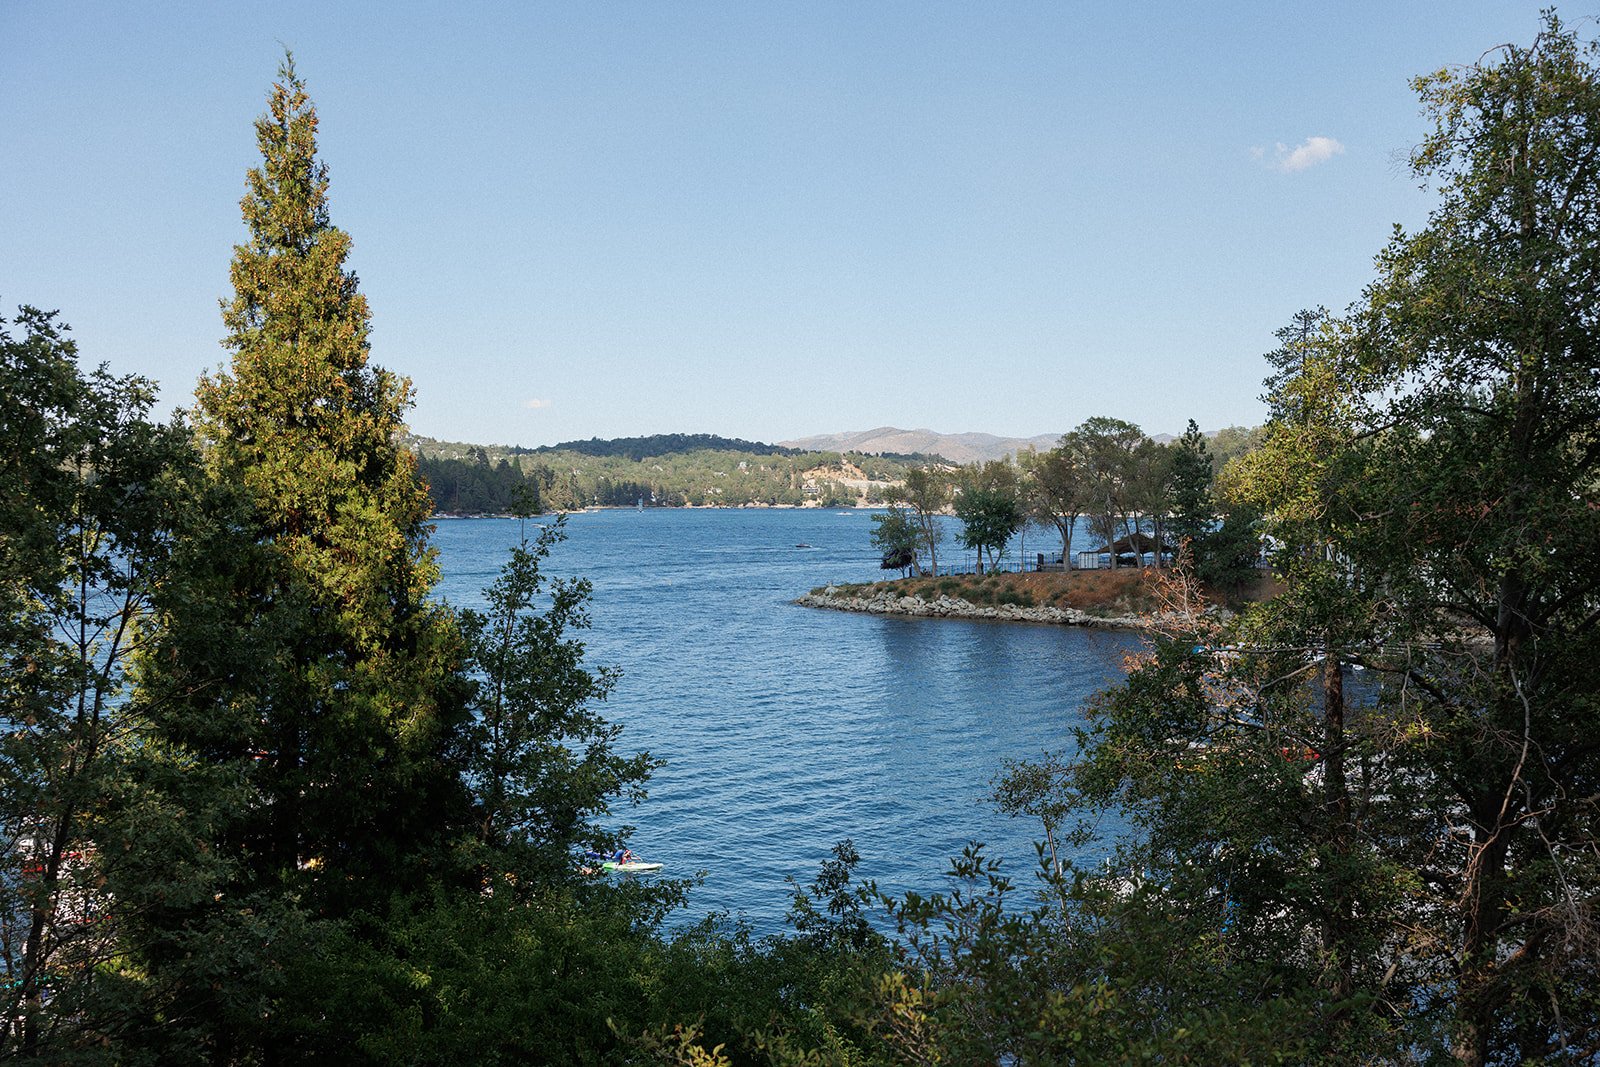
{"x": 1478, "y": 992}
{"x": 1338, "y": 926}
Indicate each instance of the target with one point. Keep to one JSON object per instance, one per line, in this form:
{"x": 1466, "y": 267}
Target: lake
{"x": 786, "y": 729}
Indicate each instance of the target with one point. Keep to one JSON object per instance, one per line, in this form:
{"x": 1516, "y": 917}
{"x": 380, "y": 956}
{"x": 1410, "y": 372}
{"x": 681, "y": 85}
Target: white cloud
{"x": 534, "y": 404}
{"x": 1307, "y": 153}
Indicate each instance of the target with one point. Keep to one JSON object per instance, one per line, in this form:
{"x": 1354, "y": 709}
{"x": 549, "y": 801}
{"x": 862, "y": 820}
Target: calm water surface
{"x": 785, "y": 728}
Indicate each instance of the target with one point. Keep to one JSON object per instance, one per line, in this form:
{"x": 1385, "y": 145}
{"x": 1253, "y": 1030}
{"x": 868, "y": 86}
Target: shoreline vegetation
{"x": 666, "y": 470}
{"x": 265, "y": 801}
{"x": 755, "y": 506}
{"x": 1129, "y": 599}
{"x": 686, "y": 470}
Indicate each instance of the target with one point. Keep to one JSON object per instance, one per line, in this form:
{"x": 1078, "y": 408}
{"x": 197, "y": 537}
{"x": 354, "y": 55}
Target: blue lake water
{"x": 786, "y": 729}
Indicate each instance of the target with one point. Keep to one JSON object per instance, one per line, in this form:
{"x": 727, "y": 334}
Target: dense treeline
{"x": 688, "y": 469}
{"x": 478, "y": 479}
{"x": 265, "y": 801}
{"x": 666, "y": 444}
{"x": 459, "y": 487}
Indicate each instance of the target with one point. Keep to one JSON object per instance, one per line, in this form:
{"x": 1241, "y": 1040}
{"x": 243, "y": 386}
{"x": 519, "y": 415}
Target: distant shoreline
{"x": 665, "y": 507}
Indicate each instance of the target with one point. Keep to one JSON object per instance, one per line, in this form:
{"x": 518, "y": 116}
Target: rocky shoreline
{"x": 947, "y": 607}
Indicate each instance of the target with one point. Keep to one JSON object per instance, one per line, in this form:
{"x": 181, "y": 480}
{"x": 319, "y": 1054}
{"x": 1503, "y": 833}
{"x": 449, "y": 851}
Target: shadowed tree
{"x": 896, "y": 537}
{"x": 303, "y": 691}
{"x": 84, "y": 523}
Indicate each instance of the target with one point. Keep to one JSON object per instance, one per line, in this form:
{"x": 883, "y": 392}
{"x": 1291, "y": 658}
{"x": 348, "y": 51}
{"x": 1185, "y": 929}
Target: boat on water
{"x": 622, "y": 861}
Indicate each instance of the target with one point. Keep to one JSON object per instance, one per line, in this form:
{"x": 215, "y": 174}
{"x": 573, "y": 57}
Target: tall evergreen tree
{"x": 309, "y": 658}
{"x": 1192, "y": 509}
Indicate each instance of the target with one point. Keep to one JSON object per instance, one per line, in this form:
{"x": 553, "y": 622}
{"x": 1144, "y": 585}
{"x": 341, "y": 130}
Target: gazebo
{"x": 1131, "y": 550}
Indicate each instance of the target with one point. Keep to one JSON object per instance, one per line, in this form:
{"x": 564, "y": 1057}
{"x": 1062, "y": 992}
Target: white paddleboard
{"x": 635, "y": 867}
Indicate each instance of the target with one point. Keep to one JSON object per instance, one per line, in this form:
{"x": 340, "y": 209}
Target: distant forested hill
{"x": 665, "y": 444}
{"x": 663, "y": 470}
{"x": 954, "y": 447}
{"x": 673, "y": 470}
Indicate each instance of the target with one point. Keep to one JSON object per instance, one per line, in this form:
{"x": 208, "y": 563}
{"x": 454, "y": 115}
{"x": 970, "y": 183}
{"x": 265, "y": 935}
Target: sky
{"x": 761, "y": 220}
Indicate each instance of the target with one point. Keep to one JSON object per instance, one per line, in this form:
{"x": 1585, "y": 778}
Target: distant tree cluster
{"x": 1147, "y": 503}
{"x": 463, "y": 487}
{"x": 485, "y": 479}
{"x": 665, "y": 444}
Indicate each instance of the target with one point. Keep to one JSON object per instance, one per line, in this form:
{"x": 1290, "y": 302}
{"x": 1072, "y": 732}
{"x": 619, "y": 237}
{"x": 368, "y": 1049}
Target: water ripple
{"x": 786, "y": 729}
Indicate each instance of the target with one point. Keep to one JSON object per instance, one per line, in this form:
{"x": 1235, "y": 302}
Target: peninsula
{"x": 1127, "y": 599}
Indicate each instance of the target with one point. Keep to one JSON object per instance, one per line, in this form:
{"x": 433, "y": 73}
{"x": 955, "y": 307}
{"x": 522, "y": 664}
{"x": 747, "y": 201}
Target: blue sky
{"x": 763, "y": 220}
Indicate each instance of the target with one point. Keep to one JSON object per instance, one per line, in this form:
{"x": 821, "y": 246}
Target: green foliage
{"x": 896, "y": 536}
{"x": 299, "y": 689}
{"x": 83, "y": 545}
{"x": 989, "y": 506}
{"x": 691, "y": 469}
{"x": 1107, "y": 451}
{"x": 1322, "y": 874}
{"x": 329, "y": 821}
{"x": 1489, "y": 472}
{"x": 462, "y": 487}
{"x": 1231, "y": 442}
{"x": 1082, "y": 974}
{"x": 1150, "y": 485}
{"x": 1193, "y": 512}
{"x": 666, "y": 444}
{"x": 925, "y": 494}
{"x": 541, "y": 761}
{"x": 1227, "y": 557}
{"x": 323, "y": 561}
{"x": 789, "y": 1000}
{"x": 1056, "y": 490}
{"x": 1429, "y": 471}
{"x": 842, "y": 921}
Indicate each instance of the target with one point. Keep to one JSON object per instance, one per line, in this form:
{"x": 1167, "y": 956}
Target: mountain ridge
{"x": 955, "y": 447}
{"x": 889, "y": 442}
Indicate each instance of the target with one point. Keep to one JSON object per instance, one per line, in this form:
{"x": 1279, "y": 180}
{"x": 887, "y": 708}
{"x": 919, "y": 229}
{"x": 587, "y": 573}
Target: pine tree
{"x": 311, "y": 661}
{"x": 1192, "y": 508}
